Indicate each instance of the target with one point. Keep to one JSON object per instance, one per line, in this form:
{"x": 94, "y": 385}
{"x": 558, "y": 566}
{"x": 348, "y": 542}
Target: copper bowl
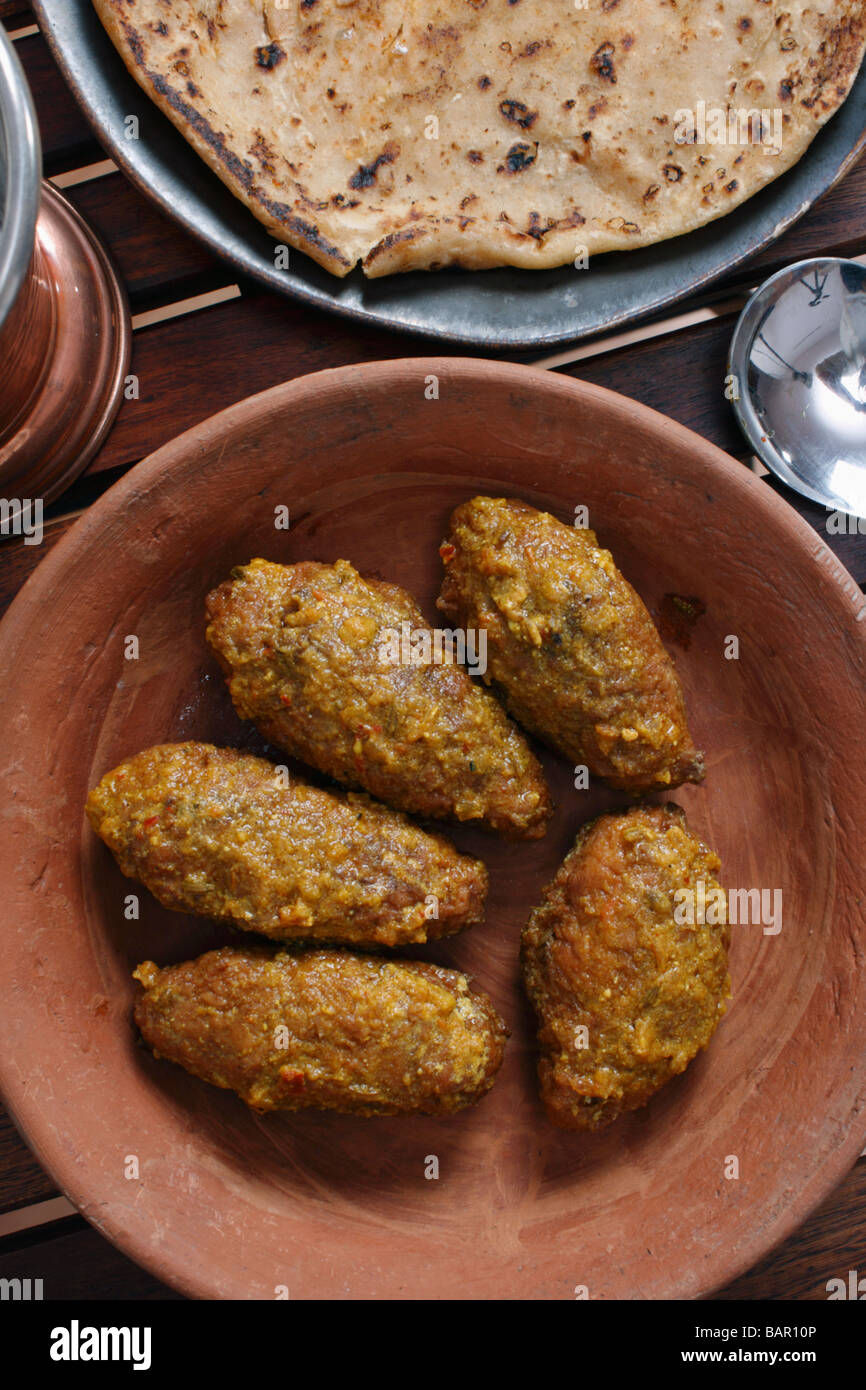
{"x": 64, "y": 323}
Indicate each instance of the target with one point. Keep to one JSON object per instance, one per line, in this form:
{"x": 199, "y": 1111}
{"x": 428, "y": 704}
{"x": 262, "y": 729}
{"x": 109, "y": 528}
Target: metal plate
{"x": 496, "y": 309}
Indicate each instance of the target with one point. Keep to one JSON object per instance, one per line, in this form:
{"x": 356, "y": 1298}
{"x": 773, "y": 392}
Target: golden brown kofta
{"x": 625, "y": 996}
{"x": 328, "y": 1030}
{"x": 571, "y": 648}
{"x": 216, "y": 832}
{"x": 305, "y": 651}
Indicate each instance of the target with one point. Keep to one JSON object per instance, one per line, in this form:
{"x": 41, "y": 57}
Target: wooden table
{"x": 203, "y": 340}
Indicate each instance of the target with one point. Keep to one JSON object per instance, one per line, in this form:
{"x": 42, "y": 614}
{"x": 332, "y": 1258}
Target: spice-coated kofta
{"x": 625, "y": 995}
{"x": 308, "y": 654}
{"x": 571, "y": 648}
{"x": 217, "y": 832}
{"x": 322, "y": 1029}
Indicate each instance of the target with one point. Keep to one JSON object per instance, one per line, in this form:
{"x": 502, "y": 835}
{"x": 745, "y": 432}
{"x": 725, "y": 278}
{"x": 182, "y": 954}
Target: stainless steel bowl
{"x": 20, "y": 177}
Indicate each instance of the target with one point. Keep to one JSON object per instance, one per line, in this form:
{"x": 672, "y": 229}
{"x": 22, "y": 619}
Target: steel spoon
{"x": 797, "y": 379}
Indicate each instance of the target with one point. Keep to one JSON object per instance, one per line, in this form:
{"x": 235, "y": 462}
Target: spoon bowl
{"x": 798, "y": 361}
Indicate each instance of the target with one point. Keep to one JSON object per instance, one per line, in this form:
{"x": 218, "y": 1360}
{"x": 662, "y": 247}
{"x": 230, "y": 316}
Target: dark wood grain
{"x": 67, "y": 139}
{"x": 22, "y": 1179}
{"x": 18, "y": 561}
{"x": 75, "y": 1262}
{"x": 191, "y": 367}
{"x": 14, "y": 14}
{"x": 158, "y": 260}
{"x": 682, "y": 375}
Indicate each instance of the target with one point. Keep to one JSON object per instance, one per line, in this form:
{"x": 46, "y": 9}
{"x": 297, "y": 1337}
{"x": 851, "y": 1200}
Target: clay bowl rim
{"x": 832, "y": 582}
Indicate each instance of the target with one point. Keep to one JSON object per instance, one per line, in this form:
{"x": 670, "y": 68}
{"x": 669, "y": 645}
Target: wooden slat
{"x": 157, "y": 259}
{"x": 189, "y": 368}
{"x": 18, "y": 561}
{"x": 67, "y": 139}
{"x": 683, "y": 376}
{"x": 22, "y": 1179}
{"x": 192, "y": 367}
{"x": 15, "y": 14}
{"x": 23, "y": 1220}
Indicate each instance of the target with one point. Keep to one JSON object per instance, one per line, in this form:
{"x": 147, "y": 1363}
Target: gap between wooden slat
{"x": 26, "y": 33}
{"x": 37, "y": 1214}
{"x": 185, "y": 306}
{"x": 67, "y": 516}
{"x": 86, "y": 174}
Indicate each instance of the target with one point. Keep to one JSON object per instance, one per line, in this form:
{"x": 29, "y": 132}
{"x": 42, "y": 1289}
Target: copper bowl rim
{"x": 21, "y": 156}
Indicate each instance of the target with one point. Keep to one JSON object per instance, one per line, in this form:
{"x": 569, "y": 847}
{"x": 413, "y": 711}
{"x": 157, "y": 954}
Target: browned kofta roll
{"x": 308, "y": 651}
{"x": 571, "y": 649}
{"x": 218, "y": 833}
{"x": 328, "y": 1030}
{"x": 626, "y": 990}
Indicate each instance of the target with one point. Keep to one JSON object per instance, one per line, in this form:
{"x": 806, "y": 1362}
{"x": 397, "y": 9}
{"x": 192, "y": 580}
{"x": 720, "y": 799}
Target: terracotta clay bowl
{"x": 230, "y": 1204}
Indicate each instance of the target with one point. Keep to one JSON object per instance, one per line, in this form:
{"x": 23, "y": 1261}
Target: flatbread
{"x": 412, "y": 134}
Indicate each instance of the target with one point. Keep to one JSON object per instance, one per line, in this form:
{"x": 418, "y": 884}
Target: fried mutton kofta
{"x": 571, "y": 649}
{"x": 218, "y": 833}
{"x": 626, "y": 989}
{"x": 308, "y": 651}
{"x": 328, "y": 1030}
